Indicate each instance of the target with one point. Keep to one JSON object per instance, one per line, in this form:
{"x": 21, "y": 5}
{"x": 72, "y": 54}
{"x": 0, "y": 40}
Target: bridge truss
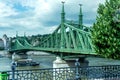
{"x": 69, "y": 38}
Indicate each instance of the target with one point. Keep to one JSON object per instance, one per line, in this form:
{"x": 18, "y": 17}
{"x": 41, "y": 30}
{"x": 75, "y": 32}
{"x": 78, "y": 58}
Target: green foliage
{"x": 106, "y": 31}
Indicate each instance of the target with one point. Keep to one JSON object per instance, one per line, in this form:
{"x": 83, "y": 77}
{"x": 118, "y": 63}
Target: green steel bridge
{"x": 69, "y": 38}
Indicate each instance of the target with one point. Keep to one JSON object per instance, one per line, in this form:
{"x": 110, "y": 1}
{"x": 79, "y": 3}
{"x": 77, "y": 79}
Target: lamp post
{"x": 77, "y": 64}
{"x": 13, "y": 66}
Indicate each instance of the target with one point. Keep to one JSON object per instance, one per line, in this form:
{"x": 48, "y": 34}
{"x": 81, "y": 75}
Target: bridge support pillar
{"x": 83, "y": 62}
{"x": 59, "y": 63}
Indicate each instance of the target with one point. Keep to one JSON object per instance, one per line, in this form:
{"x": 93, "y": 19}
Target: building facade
{"x": 1, "y": 44}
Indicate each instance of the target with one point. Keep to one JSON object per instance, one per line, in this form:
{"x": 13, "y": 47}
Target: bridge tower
{"x": 80, "y": 17}
{"x": 62, "y": 25}
{"x": 59, "y": 62}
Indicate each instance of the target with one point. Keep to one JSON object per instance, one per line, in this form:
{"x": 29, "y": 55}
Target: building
{"x": 1, "y": 44}
{"x": 5, "y": 41}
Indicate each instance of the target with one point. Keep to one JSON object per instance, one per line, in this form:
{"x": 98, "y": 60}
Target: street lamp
{"x": 77, "y": 64}
{"x": 13, "y": 66}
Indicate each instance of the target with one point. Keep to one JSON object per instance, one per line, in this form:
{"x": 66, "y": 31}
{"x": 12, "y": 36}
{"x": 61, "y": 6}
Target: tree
{"x": 106, "y": 29}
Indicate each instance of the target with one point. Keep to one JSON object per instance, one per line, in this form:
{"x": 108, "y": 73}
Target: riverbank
{"x": 39, "y": 53}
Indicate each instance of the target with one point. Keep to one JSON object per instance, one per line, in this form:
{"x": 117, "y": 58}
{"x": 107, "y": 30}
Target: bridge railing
{"x": 110, "y": 72}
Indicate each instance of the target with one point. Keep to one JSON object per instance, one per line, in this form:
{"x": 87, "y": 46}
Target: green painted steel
{"x": 69, "y": 37}
{"x": 80, "y": 18}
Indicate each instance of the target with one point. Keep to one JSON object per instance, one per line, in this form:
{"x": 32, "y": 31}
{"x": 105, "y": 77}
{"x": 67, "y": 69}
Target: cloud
{"x": 41, "y": 16}
{"x": 6, "y": 10}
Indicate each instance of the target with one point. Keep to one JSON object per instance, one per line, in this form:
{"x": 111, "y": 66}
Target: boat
{"x": 27, "y": 62}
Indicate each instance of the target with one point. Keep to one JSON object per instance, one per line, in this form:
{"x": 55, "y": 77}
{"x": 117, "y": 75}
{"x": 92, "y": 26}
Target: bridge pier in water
{"x": 59, "y": 62}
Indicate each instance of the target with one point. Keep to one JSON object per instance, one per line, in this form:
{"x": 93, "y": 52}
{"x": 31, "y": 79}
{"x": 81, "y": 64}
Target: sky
{"x": 42, "y": 16}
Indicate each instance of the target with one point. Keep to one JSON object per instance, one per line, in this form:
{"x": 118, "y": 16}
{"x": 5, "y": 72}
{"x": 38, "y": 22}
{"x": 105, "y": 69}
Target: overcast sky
{"x": 41, "y": 16}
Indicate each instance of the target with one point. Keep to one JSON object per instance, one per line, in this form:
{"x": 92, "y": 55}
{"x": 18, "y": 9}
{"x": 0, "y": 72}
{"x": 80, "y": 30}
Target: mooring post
{"x": 77, "y": 64}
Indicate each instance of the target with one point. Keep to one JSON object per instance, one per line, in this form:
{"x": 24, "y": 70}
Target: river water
{"x": 45, "y": 60}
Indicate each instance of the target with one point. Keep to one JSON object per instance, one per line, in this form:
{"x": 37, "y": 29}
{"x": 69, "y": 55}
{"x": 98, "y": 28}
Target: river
{"x": 45, "y": 60}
